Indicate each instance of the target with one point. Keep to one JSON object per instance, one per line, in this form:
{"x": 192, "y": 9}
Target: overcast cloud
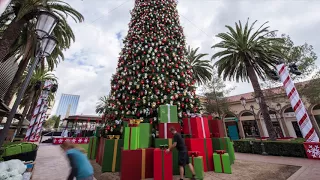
{"x": 92, "y": 59}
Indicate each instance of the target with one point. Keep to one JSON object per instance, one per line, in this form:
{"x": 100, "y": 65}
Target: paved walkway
{"x": 310, "y": 169}
{"x": 52, "y": 164}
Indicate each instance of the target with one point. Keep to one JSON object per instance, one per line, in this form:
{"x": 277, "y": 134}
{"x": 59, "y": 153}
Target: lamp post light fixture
{"x": 258, "y": 100}
{"x": 46, "y": 22}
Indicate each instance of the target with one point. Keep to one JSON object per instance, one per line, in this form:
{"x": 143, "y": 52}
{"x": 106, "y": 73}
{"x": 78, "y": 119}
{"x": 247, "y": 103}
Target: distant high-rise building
{"x": 68, "y": 105}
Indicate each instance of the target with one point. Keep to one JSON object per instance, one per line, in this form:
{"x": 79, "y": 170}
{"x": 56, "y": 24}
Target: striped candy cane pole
{"x": 303, "y": 119}
{"x": 34, "y": 117}
{"x": 37, "y": 113}
{"x": 38, "y": 129}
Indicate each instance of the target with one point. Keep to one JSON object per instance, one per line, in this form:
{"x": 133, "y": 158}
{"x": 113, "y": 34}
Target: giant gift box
{"x": 168, "y": 114}
{"x": 224, "y": 144}
{"x": 196, "y": 127}
{"x": 131, "y": 138}
{"x": 92, "y": 149}
{"x": 164, "y": 129}
{"x": 204, "y": 147}
{"x": 197, "y": 162}
{"x": 216, "y": 128}
{"x": 112, "y": 155}
{"x": 145, "y": 135}
{"x": 221, "y": 162}
{"x": 137, "y": 164}
{"x": 100, "y": 152}
{"x": 162, "y": 165}
{"x": 175, "y": 167}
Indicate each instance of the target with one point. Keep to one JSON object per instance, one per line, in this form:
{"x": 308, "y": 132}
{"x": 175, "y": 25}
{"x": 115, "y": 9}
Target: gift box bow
{"x": 164, "y": 146}
{"x": 135, "y": 121}
{"x": 133, "y": 125}
{"x": 110, "y": 136}
{"x": 194, "y": 153}
{"x": 220, "y": 151}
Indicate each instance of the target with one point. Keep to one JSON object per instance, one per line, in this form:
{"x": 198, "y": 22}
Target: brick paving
{"x": 52, "y": 164}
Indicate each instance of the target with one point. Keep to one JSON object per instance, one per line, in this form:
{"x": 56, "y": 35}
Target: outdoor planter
{"x": 25, "y": 156}
{"x": 312, "y": 150}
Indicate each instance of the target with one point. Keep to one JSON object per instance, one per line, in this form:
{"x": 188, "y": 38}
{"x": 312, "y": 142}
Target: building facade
{"x": 246, "y": 121}
{"x": 68, "y": 105}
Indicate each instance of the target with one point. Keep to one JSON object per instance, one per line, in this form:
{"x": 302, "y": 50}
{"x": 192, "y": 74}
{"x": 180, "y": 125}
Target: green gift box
{"x": 112, "y": 155}
{"x": 131, "y": 138}
{"x": 97, "y": 132}
{"x": 168, "y": 114}
{"x": 197, "y": 163}
{"x": 224, "y": 144}
{"x": 145, "y": 135}
{"x": 222, "y": 163}
{"x": 175, "y": 165}
{"x": 92, "y": 149}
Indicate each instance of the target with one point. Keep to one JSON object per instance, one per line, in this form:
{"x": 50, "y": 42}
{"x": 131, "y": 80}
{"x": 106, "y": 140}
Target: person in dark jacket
{"x": 183, "y": 158}
{"x": 81, "y": 168}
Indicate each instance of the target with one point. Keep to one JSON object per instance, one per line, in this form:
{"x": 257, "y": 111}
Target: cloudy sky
{"x": 92, "y": 59}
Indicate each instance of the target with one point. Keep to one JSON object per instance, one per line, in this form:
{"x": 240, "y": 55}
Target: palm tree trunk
{"x": 10, "y": 35}
{"x": 16, "y": 80}
{"x": 24, "y": 113}
{"x": 264, "y": 108}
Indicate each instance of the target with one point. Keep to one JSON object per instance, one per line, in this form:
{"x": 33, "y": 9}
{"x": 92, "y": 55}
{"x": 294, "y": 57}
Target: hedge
{"x": 275, "y": 148}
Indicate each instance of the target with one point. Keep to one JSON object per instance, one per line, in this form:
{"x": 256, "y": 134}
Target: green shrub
{"x": 275, "y": 148}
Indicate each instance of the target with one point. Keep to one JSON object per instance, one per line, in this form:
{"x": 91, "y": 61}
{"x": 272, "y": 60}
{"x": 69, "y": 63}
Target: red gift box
{"x": 217, "y": 129}
{"x": 162, "y": 165}
{"x": 131, "y": 165}
{"x": 197, "y": 127}
{"x": 147, "y": 167}
{"x": 164, "y": 129}
{"x": 100, "y": 154}
{"x": 204, "y": 147}
{"x": 137, "y": 164}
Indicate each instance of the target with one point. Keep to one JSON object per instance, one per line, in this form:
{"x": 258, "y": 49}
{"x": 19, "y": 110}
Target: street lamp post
{"x": 46, "y": 22}
{"x": 244, "y": 103}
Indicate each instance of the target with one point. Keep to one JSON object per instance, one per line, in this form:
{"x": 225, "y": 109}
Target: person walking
{"x": 81, "y": 168}
{"x": 183, "y": 158}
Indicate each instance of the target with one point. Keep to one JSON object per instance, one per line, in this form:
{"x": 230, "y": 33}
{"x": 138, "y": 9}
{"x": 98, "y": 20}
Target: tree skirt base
{"x": 74, "y": 140}
{"x": 312, "y": 150}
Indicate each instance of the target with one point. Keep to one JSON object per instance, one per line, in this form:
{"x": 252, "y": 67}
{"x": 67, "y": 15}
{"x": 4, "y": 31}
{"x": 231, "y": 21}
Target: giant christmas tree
{"x": 152, "y": 68}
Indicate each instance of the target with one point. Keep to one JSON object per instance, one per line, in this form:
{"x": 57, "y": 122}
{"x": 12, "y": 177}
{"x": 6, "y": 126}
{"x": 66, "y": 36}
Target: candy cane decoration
{"x": 38, "y": 111}
{"x": 38, "y": 129}
{"x": 303, "y": 119}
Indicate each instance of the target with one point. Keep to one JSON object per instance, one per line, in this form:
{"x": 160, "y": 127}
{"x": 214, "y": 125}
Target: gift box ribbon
{"x": 169, "y": 118}
{"x": 165, "y": 126}
{"x": 133, "y": 125}
{"x": 143, "y": 167}
{"x": 130, "y": 134}
{"x": 222, "y": 168}
{"x": 221, "y": 152}
{"x": 202, "y": 123}
{"x": 114, "y": 158}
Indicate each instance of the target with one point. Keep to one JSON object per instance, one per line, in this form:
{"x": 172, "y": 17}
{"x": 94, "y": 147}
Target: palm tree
{"x": 102, "y": 105}
{"x": 33, "y": 91}
{"x": 24, "y": 11}
{"x": 25, "y": 45}
{"x": 246, "y": 55}
{"x": 201, "y": 68}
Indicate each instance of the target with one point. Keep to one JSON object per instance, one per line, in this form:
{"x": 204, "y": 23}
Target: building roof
{"x": 250, "y": 95}
{"x": 83, "y": 118}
